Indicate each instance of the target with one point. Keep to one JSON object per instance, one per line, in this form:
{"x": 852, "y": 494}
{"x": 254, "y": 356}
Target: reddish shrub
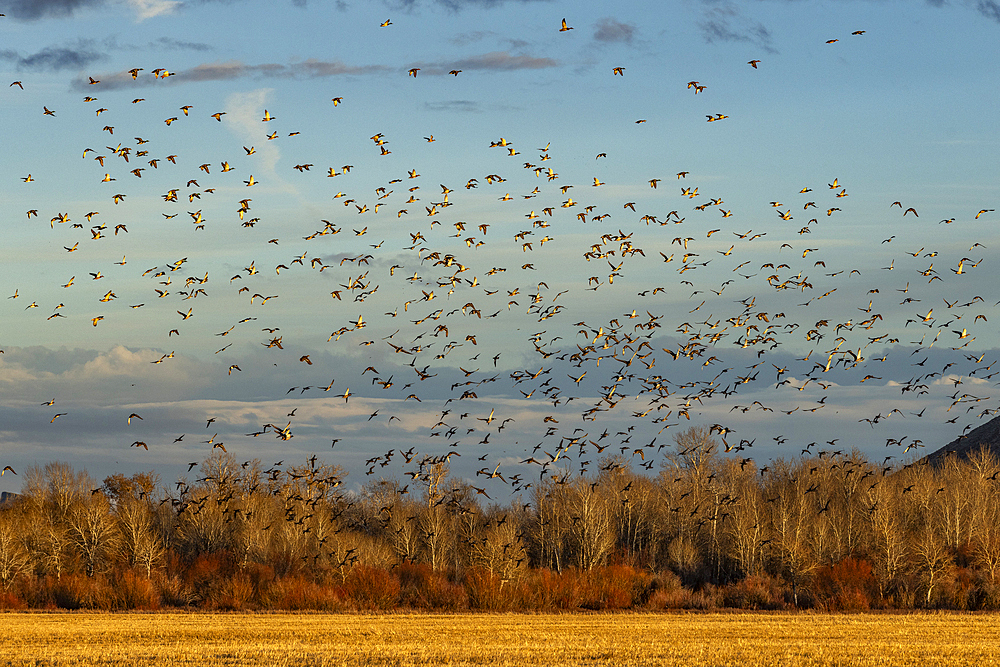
{"x": 138, "y": 592}
{"x": 124, "y": 590}
{"x": 554, "y": 590}
{"x": 260, "y": 577}
{"x": 606, "y": 588}
{"x": 990, "y": 595}
{"x": 845, "y": 586}
{"x": 485, "y": 590}
{"x": 68, "y": 592}
{"x": 232, "y": 593}
{"x": 372, "y": 588}
{"x": 296, "y": 593}
{"x": 10, "y": 600}
{"x": 423, "y": 588}
{"x": 753, "y": 592}
{"x": 259, "y": 574}
{"x": 666, "y": 591}
{"x": 682, "y": 598}
{"x": 173, "y": 591}
{"x": 207, "y": 568}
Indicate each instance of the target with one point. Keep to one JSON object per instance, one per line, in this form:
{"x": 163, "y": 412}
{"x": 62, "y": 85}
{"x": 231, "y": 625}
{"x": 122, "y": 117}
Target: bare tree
{"x": 14, "y": 557}
{"x": 92, "y": 530}
{"x": 139, "y": 535}
{"x": 433, "y": 520}
{"x": 51, "y": 492}
{"x": 887, "y": 534}
{"x": 792, "y": 517}
{"x": 591, "y": 522}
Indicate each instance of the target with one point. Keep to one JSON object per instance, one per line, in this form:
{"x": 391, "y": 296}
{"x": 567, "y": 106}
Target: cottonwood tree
{"x": 921, "y": 505}
{"x": 696, "y": 495}
{"x": 498, "y": 547}
{"x": 591, "y": 527}
{"x": 433, "y": 520}
{"x": 747, "y": 521}
{"x": 137, "y": 519}
{"x": 92, "y": 530}
{"x": 792, "y": 518}
{"x": 51, "y": 492}
{"x": 955, "y": 501}
{"x": 14, "y": 556}
{"x": 888, "y": 549}
{"x": 550, "y": 526}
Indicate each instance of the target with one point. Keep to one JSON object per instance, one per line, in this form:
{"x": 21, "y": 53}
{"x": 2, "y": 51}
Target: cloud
{"x": 177, "y": 45}
{"x": 989, "y": 9}
{"x": 501, "y": 61}
{"x": 724, "y": 23}
{"x": 234, "y": 69}
{"x": 310, "y": 69}
{"x": 465, "y": 38}
{"x": 55, "y": 58}
{"x": 610, "y": 30}
{"x": 86, "y": 52}
{"x": 456, "y": 5}
{"x": 243, "y": 115}
{"x": 36, "y": 9}
{"x": 146, "y": 9}
{"x": 32, "y": 10}
{"x": 90, "y": 376}
{"x": 467, "y": 106}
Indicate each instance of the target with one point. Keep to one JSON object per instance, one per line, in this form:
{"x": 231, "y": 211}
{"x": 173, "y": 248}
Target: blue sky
{"x": 905, "y": 112}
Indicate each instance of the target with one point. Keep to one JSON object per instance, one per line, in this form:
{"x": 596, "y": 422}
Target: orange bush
{"x": 134, "y": 591}
{"x": 613, "y": 587}
{"x": 753, "y": 592}
{"x": 10, "y": 600}
{"x": 207, "y": 568}
{"x": 556, "y": 590}
{"x": 372, "y": 588}
{"x": 233, "y": 593}
{"x": 423, "y": 588}
{"x": 845, "y": 586}
{"x": 296, "y": 593}
{"x": 485, "y": 590}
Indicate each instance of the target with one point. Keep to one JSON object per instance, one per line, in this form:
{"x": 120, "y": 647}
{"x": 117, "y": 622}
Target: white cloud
{"x": 244, "y": 114}
{"x": 146, "y": 9}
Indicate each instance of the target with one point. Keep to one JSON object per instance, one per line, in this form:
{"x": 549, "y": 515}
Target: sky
{"x": 524, "y": 232}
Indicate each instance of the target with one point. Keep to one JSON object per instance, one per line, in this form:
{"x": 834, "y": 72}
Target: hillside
{"x": 987, "y": 435}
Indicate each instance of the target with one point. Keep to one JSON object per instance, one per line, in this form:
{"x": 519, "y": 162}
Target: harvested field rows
{"x": 498, "y": 640}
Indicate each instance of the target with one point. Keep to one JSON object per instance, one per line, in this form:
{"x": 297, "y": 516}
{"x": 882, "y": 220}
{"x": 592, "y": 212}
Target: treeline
{"x": 833, "y": 531}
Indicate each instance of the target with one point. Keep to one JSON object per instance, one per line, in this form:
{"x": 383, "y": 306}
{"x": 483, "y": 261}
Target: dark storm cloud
{"x": 610, "y": 30}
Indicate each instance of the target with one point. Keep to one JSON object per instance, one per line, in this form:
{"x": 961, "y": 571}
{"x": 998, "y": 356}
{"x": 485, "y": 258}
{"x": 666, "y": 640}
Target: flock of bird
{"x": 736, "y": 289}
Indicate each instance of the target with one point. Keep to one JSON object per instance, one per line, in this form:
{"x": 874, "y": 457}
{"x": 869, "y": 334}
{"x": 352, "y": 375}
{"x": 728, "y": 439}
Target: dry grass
{"x": 497, "y": 640}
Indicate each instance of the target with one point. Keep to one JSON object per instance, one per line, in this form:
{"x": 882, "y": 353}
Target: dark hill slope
{"x": 987, "y": 435}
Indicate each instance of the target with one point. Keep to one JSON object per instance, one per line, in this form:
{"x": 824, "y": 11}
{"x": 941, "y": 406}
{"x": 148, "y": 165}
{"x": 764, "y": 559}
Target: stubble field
{"x": 498, "y": 640}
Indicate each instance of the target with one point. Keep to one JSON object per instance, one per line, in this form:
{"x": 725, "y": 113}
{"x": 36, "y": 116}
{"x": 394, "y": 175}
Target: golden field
{"x": 498, "y": 639}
